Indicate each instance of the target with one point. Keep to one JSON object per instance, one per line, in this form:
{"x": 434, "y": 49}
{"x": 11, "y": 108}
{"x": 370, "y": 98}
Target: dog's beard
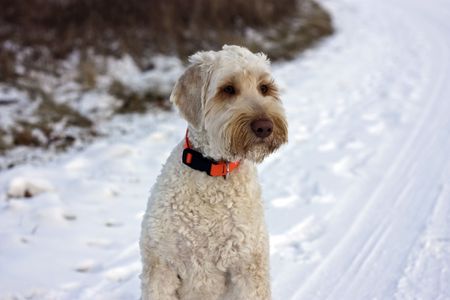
{"x": 241, "y": 142}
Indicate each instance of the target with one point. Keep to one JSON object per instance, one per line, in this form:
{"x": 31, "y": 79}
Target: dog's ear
{"x": 190, "y": 90}
{"x": 187, "y": 95}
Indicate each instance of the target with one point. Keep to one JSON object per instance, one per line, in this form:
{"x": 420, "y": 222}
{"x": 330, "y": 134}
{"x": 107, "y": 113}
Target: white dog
{"x": 203, "y": 234}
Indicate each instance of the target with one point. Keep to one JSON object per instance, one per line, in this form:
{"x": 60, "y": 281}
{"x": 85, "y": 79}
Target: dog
{"x": 203, "y": 234}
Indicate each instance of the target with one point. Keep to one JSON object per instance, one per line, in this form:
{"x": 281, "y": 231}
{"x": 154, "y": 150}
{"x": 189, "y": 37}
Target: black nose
{"x": 262, "y": 127}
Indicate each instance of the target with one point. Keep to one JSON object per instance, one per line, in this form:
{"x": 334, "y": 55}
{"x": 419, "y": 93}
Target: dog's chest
{"x": 220, "y": 224}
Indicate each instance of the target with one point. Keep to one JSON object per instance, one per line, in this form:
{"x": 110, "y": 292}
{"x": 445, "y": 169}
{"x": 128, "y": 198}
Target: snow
{"x": 357, "y": 204}
{"x": 93, "y": 87}
{"x": 159, "y": 80}
{"x": 28, "y": 187}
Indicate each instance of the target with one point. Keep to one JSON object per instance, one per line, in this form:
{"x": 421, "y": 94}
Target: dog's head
{"x": 230, "y": 97}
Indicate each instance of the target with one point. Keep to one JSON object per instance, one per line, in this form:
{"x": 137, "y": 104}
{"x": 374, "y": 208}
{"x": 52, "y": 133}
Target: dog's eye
{"x": 229, "y": 89}
{"x": 264, "y": 88}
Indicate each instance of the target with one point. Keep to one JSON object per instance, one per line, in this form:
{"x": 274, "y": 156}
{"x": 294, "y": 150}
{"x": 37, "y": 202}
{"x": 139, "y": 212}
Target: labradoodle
{"x": 203, "y": 234}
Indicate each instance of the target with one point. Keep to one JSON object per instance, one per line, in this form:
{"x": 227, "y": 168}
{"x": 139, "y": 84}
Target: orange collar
{"x": 197, "y": 161}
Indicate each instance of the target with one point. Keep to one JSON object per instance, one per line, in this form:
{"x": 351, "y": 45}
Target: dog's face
{"x": 231, "y": 97}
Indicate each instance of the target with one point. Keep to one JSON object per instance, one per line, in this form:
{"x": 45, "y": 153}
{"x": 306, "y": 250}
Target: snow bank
{"x": 20, "y": 187}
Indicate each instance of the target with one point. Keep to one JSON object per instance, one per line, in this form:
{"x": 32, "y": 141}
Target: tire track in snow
{"x": 376, "y": 273}
{"x": 428, "y": 271}
{"x": 344, "y": 128}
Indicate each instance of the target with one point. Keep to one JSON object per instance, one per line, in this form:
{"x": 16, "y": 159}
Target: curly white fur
{"x": 204, "y": 237}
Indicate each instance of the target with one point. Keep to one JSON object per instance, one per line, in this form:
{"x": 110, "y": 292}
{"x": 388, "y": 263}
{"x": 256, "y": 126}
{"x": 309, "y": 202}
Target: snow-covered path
{"x": 358, "y": 202}
{"x": 388, "y": 243}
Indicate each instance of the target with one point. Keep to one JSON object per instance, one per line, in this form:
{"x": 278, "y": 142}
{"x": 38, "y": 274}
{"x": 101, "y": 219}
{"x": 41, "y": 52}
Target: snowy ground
{"x": 358, "y": 203}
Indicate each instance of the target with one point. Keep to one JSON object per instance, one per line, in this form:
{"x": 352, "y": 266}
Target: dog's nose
{"x": 262, "y": 127}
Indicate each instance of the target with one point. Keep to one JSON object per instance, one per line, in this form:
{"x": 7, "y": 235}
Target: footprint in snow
{"x": 284, "y": 201}
{"x": 343, "y": 167}
{"x": 70, "y": 217}
{"x": 100, "y": 243}
{"x": 323, "y": 198}
{"x": 120, "y": 274}
{"x": 326, "y": 147}
{"x": 295, "y": 243}
{"x": 377, "y": 128}
{"x": 113, "y": 223}
{"x": 355, "y": 145}
{"x": 88, "y": 265}
{"x": 301, "y": 134}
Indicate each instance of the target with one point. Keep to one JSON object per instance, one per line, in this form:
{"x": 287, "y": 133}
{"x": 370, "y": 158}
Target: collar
{"x": 197, "y": 161}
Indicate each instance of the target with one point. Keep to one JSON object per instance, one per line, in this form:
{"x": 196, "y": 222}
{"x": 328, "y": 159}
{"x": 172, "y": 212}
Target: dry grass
{"x": 40, "y": 130}
{"x": 142, "y": 27}
{"x": 133, "y": 102}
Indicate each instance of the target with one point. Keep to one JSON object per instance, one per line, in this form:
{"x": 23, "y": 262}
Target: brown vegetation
{"x": 141, "y": 27}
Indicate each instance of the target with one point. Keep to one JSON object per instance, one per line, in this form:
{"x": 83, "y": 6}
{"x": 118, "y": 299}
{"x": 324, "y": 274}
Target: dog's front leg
{"x": 158, "y": 280}
{"x": 250, "y": 280}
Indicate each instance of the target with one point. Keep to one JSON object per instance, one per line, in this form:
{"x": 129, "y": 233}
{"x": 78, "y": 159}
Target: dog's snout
{"x": 262, "y": 127}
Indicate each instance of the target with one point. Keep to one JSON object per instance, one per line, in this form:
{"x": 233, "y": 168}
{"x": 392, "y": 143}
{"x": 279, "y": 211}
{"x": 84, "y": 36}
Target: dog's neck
{"x": 199, "y": 141}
